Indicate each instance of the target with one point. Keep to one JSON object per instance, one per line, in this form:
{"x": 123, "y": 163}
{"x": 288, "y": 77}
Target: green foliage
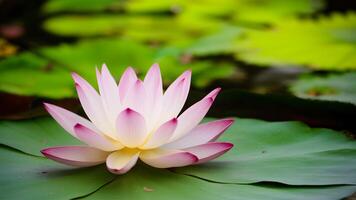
{"x": 50, "y": 68}
{"x": 29, "y": 74}
{"x": 286, "y": 152}
{"x": 325, "y": 43}
{"x": 80, "y": 5}
{"x": 333, "y": 88}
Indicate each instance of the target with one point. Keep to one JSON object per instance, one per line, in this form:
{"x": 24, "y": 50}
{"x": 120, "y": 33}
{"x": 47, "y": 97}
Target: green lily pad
{"x": 221, "y": 42}
{"x": 162, "y": 29}
{"x": 50, "y": 67}
{"x": 150, "y": 183}
{"x": 30, "y": 177}
{"x": 260, "y": 11}
{"x": 80, "y": 5}
{"x": 40, "y": 178}
{"x": 285, "y": 152}
{"x": 332, "y": 88}
{"x": 326, "y": 43}
{"x": 272, "y": 11}
{"x": 31, "y": 75}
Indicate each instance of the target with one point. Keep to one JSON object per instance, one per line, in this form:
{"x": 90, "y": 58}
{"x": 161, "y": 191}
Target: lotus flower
{"x": 136, "y": 120}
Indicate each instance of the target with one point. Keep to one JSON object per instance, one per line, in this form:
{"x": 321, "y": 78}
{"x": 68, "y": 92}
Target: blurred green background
{"x": 254, "y": 49}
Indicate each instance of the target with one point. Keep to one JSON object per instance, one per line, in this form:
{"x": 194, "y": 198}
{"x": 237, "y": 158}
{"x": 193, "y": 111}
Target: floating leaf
{"x": 333, "y": 88}
{"x": 28, "y": 74}
{"x": 221, "y": 42}
{"x": 80, "y": 5}
{"x": 285, "y": 152}
{"x": 326, "y": 43}
{"x": 272, "y": 11}
{"x": 30, "y": 177}
{"x": 41, "y": 178}
{"x": 50, "y": 68}
{"x": 161, "y": 28}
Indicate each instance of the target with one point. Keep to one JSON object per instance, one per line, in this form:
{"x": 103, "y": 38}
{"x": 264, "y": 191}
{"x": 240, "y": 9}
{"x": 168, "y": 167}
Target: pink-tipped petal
{"x": 95, "y": 139}
{"x": 136, "y": 98}
{"x": 128, "y": 78}
{"x": 191, "y": 117}
{"x": 213, "y": 93}
{"x": 154, "y": 92}
{"x": 209, "y": 151}
{"x": 67, "y": 119}
{"x": 202, "y": 134}
{"x": 93, "y": 107}
{"x": 80, "y": 156}
{"x": 175, "y": 96}
{"x": 109, "y": 93}
{"x": 131, "y": 128}
{"x": 162, "y": 135}
{"x": 122, "y": 161}
{"x": 168, "y": 158}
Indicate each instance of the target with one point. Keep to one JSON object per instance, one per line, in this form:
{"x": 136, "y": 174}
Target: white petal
{"x": 95, "y": 139}
{"x": 167, "y": 158}
{"x": 131, "y": 128}
{"x": 136, "y": 98}
{"x": 175, "y": 96}
{"x": 201, "y": 134}
{"x": 192, "y": 116}
{"x": 128, "y": 78}
{"x": 109, "y": 93}
{"x": 92, "y": 105}
{"x": 209, "y": 151}
{"x": 121, "y": 161}
{"x": 76, "y": 155}
{"x": 162, "y": 135}
{"x": 154, "y": 92}
{"x": 67, "y": 119}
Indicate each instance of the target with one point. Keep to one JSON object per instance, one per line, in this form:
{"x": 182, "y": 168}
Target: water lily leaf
{"x": 167, "y": 29}
{"x": 333, "y": 88}
{"x": 80, "y": 5}
{"x": 30, "y": 136}
{"x": 30, "y": 177}
{"x": 150, "y": 183}
{"x": 40, "y": 178}
{"x": 326, "y": 43}
{"x": 84, "y": 56}
{"x": 50, "y": 68}
{"x": 222, "y": 42}
{"x": 28, "y": 74}
{"x": 272, "y": 11}
{"x": 285, "y": 152}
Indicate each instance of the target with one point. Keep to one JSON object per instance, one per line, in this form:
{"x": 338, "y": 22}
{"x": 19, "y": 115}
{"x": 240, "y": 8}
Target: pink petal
{"x": 209, "y": 151}
{"x": 67, "y": 119}
{"x": 213, "y": 93}
{"x": 131, "y": 128}
{"x": 202, "y": 134}
{"x": 192, "y": 116}
{"x": 154, "y": 92}
{"x": 80, "y": 156}
{"x": 136, "y": 98}
{"x": 128, "y": 78}
{"x": 109, "y": 93}
{"x": 93, "y": 107}
{"x": 167, "y": 158}
{"x": 175, "y": 96}
{"x": 162, "y": 135}
{"x": 95, "y": 139}
{"x": 122, "y": 161}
